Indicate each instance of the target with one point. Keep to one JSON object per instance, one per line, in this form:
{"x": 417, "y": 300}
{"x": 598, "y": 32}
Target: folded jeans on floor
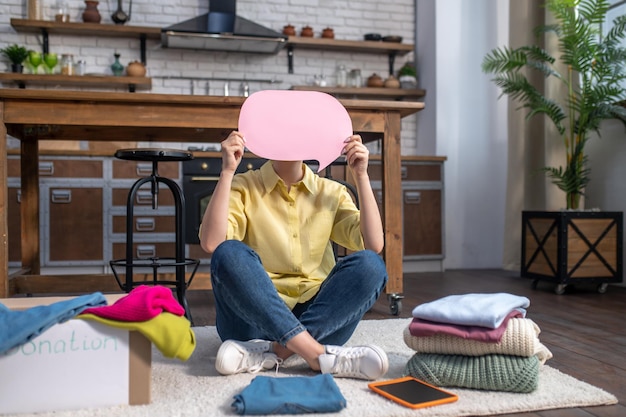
{"x": 290, "y": 395}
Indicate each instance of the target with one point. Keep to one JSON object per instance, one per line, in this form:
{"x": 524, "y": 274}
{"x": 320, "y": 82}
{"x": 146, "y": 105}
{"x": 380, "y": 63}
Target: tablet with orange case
{"x": 412, "y": 393}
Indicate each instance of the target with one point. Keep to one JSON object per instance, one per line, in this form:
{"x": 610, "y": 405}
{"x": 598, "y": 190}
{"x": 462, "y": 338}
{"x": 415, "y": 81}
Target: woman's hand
{"x": 357, "y": 155}
{"x": 232, "y": 151}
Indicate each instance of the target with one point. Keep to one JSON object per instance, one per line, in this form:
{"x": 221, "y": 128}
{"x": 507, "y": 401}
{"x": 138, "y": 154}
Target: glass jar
{"x": 342, "y": 76}
{"x": 81, "y": 67}
{"x": 355, "y": 78}
{"x": 61, "y": 11}
{"x": 67, "y": 64}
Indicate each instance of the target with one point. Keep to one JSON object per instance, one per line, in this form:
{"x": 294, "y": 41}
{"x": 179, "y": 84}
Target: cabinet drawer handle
{"x": 144, "y": 169}
{"x": 412, "y": 197}
{"x": 61, "y": 196}
{"x": 143, "y": 197}
{"x": 207, "y": 178}
{"x": 46, "y": 168}
{"x": 144, "y": 224}
{"x": 379, "y": 196}
{"x": 404, "y": 172}
{"x": 19, "y": 196}
{"x": 146, "y": 251}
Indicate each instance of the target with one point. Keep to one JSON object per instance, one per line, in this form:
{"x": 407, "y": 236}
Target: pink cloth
{"x": 141, "y": 304}
{"x": 419, "y": 327}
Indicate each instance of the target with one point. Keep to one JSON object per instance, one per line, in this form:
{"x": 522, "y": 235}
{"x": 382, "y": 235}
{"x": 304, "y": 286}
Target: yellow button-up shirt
{"x": 292, "y": 230}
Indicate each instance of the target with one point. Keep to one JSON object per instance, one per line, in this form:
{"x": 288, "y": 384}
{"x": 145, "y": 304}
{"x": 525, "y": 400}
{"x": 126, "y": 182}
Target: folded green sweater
{"x": 488, "y": 372}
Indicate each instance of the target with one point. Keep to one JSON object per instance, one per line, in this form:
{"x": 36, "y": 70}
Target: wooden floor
{"x": 585, "y": 330}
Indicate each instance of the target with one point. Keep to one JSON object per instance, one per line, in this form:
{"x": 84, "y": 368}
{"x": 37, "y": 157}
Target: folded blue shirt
{"x": 476, "y": 309}
{"x": 290, "y": 395}
{"x": 19, "y": 327}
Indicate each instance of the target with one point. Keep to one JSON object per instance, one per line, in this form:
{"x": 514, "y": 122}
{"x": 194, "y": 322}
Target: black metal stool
{"x": 179, "y": 262}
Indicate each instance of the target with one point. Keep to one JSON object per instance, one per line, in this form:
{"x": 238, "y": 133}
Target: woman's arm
{"x": 357, "y": 157}
{"x": 215, "y": 220}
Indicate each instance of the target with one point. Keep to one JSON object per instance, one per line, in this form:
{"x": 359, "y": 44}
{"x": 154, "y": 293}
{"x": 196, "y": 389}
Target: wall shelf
{"x": 103, "y": 81}
{"x": 87, "y": 29}
{"x": 370, "y": 92}
{"x": 374, "y": 47}
{"x": 392, "y": 49}
{"x": 45, "y": 27}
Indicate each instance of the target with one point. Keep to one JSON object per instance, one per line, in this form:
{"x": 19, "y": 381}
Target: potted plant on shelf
{"x": 594, "y": 78}
{"x": 16, "y": 55}
{"x": 407, "y": 75}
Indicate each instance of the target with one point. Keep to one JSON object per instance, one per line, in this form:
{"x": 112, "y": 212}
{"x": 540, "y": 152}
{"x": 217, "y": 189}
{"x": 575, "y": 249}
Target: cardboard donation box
{"x": 72, "y": 365}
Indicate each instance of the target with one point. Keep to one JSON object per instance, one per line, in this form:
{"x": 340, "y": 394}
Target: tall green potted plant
{"x": 595, "y": 81}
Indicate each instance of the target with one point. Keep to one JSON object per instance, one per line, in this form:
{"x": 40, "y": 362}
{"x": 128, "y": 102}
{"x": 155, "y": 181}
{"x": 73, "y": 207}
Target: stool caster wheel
{"x": 560, "y": 289}
{"x": 395, "y": 303}
{"x": 602, "y": 287}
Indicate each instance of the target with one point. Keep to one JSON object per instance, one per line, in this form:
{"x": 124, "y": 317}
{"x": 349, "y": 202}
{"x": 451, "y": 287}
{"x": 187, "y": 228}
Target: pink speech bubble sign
{"x": 286, "y": 125}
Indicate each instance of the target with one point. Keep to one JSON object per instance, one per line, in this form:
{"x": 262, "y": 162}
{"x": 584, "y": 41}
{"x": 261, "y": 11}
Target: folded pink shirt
{"x": 419, "y": 327}
{"x": 141, "y": 304}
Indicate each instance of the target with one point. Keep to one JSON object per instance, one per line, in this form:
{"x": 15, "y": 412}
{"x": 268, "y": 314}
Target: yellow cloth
{"x": 291, "y": 230}
{"x": 171, "y": 334}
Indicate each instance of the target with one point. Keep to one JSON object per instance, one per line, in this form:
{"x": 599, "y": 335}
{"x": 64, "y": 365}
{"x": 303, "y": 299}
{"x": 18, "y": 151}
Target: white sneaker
{"x": 362, "y": 362}
{"x": 253, "y": 356}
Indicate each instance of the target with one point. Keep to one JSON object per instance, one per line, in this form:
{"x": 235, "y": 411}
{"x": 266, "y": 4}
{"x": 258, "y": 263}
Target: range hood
{"x": 222, "y": 30}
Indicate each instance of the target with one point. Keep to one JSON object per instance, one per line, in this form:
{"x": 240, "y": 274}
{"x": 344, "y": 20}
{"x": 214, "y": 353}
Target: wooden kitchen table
{"x": 33, "y": 115}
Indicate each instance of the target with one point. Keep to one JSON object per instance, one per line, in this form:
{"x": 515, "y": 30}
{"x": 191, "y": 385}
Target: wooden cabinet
{"x": 74, "y": 225}
{"x": 83, "y": 211}
{"x": 15, "y": 229}
{"x": 422, "y": 204}
{"x": 83, "y": 206}
{"x": 72, "y": 216}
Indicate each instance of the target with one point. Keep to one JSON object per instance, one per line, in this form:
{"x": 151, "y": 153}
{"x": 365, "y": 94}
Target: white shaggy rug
{"x": 194, "y": 389}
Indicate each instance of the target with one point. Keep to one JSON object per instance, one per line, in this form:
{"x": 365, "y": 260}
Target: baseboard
{"x": 423, "y": 266}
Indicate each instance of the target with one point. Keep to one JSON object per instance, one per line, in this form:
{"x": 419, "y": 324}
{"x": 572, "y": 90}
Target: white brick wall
{"x": 350, "y": 20}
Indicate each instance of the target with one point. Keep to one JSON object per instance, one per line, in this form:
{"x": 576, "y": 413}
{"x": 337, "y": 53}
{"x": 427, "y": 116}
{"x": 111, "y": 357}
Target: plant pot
{"x": 407, "y": 81}
{"x": 17, "y": 68}
{"x": 570, "y": 247}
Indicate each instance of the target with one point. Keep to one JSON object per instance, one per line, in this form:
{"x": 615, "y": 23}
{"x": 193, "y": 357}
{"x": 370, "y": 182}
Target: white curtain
{"x": 532, "y": 143}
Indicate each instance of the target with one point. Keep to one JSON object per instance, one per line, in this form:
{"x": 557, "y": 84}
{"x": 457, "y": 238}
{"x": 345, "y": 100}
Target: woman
{"x": 277, "y": 289}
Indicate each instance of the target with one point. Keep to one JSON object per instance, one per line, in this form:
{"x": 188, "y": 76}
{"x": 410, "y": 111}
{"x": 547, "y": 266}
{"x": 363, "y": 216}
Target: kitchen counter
{"x": 33, "y": 115}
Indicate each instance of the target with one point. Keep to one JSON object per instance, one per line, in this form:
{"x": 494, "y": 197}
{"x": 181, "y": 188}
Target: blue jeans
{"x": 249, "y": 307}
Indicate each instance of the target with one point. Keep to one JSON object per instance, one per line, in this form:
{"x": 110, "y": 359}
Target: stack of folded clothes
{"x": 478, "y": 341}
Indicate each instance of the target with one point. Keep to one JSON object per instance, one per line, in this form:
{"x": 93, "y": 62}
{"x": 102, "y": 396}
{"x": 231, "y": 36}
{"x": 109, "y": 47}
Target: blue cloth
{"x": 19, "y": 327}
{"x": 249, "y": 307}
{"x": 290, "y": 395}
{"x": 485, "y": 310}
